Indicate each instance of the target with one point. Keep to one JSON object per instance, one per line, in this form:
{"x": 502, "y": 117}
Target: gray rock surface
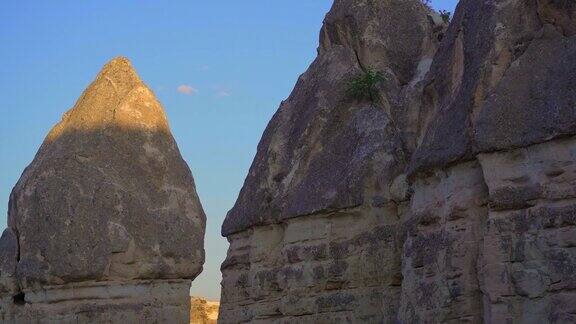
{"x": 448, "y": 199}
{"x": 313, "y": 233}
{"x": 538, "y": 93}
{"x": 496, "y": 54}
{"x": 8, "y": 262}
{"x": 107, "y": 198}
{"x": 319, "y": 130}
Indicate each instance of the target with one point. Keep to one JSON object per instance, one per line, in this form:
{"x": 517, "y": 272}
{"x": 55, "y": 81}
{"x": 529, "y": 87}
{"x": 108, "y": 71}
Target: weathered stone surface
{"x": 388, "y": 35}
{"x": 440, "y": 253}
{"x": 319, "y": 131}
{"x": 8, "y": 262}
{"x": 153, "y": 301}
{"x": 453, "y": 202}
{"x": 313, "y": 235}
{"x": 311, "y": 269}
{"x": 108, "y": 197}
{"x": 559, "y": 13}
{"x": 521, "y": 104}
{"x": 538, "y": 94}
{"x": 528, "y": 263}
{"x": 481, "y": 43}
{"x": 502, "y": 78}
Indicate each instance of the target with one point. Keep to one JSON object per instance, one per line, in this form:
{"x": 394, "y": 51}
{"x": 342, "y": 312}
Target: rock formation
{"x": 491, "y": 224}
{"x": 105, "y": 224}
{"x": 203, "y": 311}
{"x": 312, "y": 235}
{"x": 447, "y": 197}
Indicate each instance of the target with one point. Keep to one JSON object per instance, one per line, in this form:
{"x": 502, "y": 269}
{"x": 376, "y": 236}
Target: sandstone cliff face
{"x": 105, "y": 223}
{"x": 313, "y": 233}
{"x": 447, "y": 199}
{"x": 503, "y": 118}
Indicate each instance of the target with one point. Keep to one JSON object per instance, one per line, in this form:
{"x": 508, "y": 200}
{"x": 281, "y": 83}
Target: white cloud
{"x": 223, "y": 93}
{"x": 186, "y": 89}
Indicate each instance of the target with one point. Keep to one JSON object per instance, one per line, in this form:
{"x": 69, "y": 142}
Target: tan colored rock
{"x": 440, "y": 252}
{"x": 318, "y": 269}
{"x": 508, "y": 111}
{"x": 136, "y": 301}
{"x": 528, "y": 264}
{"x": 203, "y": 311}
{"x": 106, "y": 204}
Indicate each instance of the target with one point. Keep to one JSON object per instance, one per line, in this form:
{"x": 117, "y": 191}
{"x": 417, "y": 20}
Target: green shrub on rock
{"x": 364, "y": 86}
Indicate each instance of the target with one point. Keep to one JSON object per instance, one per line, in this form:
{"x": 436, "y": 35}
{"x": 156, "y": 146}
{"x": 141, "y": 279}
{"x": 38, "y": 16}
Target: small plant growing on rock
{"x": 446, "y": 15}
{"x": 364, "y": 85}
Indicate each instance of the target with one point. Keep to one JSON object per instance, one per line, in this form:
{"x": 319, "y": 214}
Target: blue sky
{"x": 220, "y": 69}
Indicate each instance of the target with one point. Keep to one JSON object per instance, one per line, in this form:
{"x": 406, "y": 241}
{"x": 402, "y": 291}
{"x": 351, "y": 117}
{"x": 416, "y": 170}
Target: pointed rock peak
{"x": 119, "y": 61}
{"x": 117, "y": 98}
{"x": 120, "y": 71}
{"x": 108, "y": 176}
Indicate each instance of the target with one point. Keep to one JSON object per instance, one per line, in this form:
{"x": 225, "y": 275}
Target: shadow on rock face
{"x": 559, "y": 13}
{"x": 107, "y": 204}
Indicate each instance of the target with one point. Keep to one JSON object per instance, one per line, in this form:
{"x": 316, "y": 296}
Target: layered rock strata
{"x": 105, "y": 224}
{"x": 505, "y": 117}
{"x": 447, "y": 198}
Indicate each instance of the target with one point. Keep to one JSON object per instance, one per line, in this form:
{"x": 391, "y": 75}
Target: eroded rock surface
{"x": 449, "y": 198}
{"x": 507, "y": 115}
{"x": 106, "y": 214}
{"x": 313, "y": 233}
{"x": 318, "y": 129}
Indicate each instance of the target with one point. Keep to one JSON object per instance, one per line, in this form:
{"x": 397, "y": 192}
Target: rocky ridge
{"x": 447, "y": 198}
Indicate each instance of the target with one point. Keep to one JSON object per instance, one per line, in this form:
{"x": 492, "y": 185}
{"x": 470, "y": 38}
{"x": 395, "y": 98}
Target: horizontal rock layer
{"x": 158, "y": 301}
{"x": 316, "y": 269}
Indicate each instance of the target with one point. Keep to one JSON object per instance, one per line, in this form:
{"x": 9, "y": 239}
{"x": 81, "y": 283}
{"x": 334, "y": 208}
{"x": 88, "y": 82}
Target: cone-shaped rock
{"x": 108, "y": 198}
